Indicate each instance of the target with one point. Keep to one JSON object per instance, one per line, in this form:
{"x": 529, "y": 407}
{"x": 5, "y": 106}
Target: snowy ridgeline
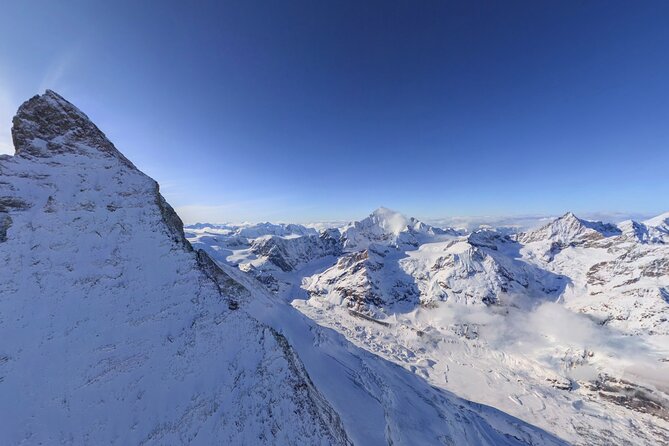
{"x": 116, "y": 331}
{"x": 565, "y": 326}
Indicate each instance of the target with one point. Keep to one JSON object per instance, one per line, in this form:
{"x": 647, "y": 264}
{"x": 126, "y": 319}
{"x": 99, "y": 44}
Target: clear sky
{"x": 317, "y": 110}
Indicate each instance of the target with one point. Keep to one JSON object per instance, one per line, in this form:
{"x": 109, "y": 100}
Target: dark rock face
{"x": 228, "y": 288}
{"x": 631, "y": 396}
{"x": 172, "y": 221}
{"x": 287, "y": 253}
{"x": 12, "y": 203}
{"x": 331, "y": 241}
{"x": 5, "y": 223}
{"x": 44, "y": 118}
{"x": 487, "y": 239}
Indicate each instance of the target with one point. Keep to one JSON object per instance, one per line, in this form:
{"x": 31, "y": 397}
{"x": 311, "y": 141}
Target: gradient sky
{"x": 322, "y": 110}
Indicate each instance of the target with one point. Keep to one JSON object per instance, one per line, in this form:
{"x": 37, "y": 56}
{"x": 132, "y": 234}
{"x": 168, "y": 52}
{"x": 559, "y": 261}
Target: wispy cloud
{"x": 55, "y": 74}
{"x": 6, "y": 114}
{"x": 58, "y": 70}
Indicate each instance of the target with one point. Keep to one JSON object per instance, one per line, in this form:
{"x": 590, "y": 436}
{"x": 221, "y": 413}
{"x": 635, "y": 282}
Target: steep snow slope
{"x": 114, "y": 331}
{"x": 370, "y": 391}
{"x": 661, "y": 221}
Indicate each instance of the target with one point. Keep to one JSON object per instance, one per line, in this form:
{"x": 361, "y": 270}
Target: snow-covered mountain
{"x": 654, "y": 230}
{"x": 570, "y": 230}
{"x": 273, "y": 254}
{"x": 577, "y": 310}
{"x": 660, "y": 222}
{"x": 387, "y": 227}
{"x": 113, "y": 329}
{"x": 618, "y": 275}
{"x": 116, "y": 331}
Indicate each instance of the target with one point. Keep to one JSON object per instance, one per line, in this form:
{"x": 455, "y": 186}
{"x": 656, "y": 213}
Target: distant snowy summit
{"x": 387, "y": 259}
{"x": 570, "y": 229}
{"x": 387, "y": 227}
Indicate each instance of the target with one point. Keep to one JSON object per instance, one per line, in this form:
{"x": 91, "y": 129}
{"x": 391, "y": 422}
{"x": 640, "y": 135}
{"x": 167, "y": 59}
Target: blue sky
{"x": 301, "y": 111}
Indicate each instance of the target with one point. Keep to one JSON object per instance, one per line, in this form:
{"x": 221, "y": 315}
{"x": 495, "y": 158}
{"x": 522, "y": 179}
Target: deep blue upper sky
{"x": 325, "y": 110}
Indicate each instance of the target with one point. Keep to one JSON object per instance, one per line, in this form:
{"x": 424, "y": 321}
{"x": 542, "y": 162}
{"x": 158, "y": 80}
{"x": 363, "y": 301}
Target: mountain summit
{"x": 569, "y": 229}
{"x": 49, "y": 125}
{"x": 387, "y": 227}
{"x": 115, "y": 331}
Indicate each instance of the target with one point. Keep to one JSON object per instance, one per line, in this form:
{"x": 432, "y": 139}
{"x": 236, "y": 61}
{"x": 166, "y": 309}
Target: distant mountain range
{"x": 578, "y": 308}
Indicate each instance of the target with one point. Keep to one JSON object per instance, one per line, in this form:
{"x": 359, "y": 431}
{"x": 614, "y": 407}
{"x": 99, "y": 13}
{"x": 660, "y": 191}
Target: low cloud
{"x": 554, "y": 335}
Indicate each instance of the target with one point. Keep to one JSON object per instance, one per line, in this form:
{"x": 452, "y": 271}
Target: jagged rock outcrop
{"x": 47, "y": 125}
{"x": 288, "y": 253}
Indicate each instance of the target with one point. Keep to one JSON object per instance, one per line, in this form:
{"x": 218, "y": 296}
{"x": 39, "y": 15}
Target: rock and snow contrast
{"x": 114, "y": 329}
{"x": 565, "y": 326}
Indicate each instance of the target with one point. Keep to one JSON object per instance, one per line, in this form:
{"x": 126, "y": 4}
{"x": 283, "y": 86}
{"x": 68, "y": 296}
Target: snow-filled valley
{"x": 120, "y": 326}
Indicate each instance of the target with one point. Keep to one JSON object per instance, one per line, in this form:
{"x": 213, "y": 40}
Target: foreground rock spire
{"x": 47, "y": 125}
{"x": 113, "y": 329}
